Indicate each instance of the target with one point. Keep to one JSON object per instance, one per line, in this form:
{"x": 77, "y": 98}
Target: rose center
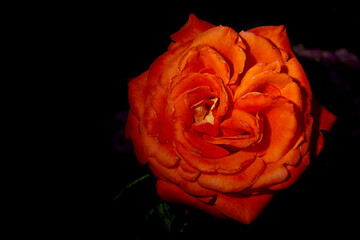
{"x": 204, "y": 110}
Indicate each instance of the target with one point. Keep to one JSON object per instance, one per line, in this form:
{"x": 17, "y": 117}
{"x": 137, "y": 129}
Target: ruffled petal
{"x": 164, "y": 67}
{"x": 196, "y": 190}
{"x": 294, "y": 173}
{"x": 224, "y": 41}
{"x": 243, "y": 209}
{"x": 163, "y": 153}
{"x": 278, "y": 137}
{"x": 187, "y": 172}
{"x": 203, "y": 57}
{"x": 259, "y": 49}
{"x": 230, "y": 183}
{"x": 191, "y": 29}
{"x": 260, "y": 82}
{"x": 240, "y": 130}
{"x": 172, "y": 193}
{"x": 170, "y": 174}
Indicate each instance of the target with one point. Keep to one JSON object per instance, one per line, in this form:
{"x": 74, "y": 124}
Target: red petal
{"x": 256, "y": 69}
{"x": 162, "y": 172}
{"x": 196, "y": 190}
{"x": 164, "y": 153}
{"x": 281, "y": 124}
{"x": 196, "y": 161}
{"x": 191, "y": 29}
{"x": 258, "y": 82}
{"x": 276, "y": 34}
{"x": 323, "y": 120}
{"x": 234, "y": 182}
{"x": 137, "y": 94}
{"x": 202, "y": 57}
{"x": 294, "y": 172}
{"x": 242, "y": 209}
{"x": 274, "y": 173}
{"x": 224, "y": 40}
{"x": 206, "y": 127}
{"x": 259, "y": 49}
{"x": 296, "y": 71}
{"x": 132, "y": 132}
{"x": 187, "y": 172}
{"x": 164, "y": 67}
{"x": 171, "y": 193}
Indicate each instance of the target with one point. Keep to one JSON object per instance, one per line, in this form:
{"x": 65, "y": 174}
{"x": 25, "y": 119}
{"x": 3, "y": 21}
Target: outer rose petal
{"x": 132, "y": 132}
{"x": 259, "y": 49}
{"x": 295, "y": 173}
{"x": 323, "y": 120}
{"x": 276, "y": 34}
{"x": 137, "y": 94}
{"x": 191, "y": 29}
{"x": 172, "y": 193}
{"x": 243, "y": 209}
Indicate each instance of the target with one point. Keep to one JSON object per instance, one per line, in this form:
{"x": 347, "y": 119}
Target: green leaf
{"x": 132, "y": 184}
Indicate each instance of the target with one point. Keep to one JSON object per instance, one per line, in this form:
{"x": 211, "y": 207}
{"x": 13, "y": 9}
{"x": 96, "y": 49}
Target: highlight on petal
{"x": 243, "y": 209}
{"x": 191, "y": 29}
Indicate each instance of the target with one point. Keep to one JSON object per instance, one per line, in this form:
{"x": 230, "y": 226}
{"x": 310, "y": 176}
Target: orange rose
{"x": 225, "y": 119}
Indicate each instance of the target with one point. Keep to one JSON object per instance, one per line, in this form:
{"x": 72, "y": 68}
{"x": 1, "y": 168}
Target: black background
{"x": 107, "y": 45}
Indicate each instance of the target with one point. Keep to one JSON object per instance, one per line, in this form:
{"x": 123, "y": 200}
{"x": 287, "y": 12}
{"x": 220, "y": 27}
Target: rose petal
{"x": 224, "y": 40}
{"x": 280, "y": 123}
{"x": 240, "y": 130}
{"x": 195, "y": 160}
{"x": 296, "y": 71}
{"x": 137, "y": 94}
{"x": 256, "y": 69}
{"x": 294, "y": 172}
{"x": 170, "y": 174}
{"x": 163, "y": 68}
{"x": 204, "y": 57}
{"x": 259, "y": 49}
{"x": 204, "y": 148}
{"x": 233, "y": 182}
{"x": 324, "y": 120}
{"x": 164, "y": 153}
{"x": 132, "y": 132}
{"x": 195, "y": 189}
{"x": 191, "y": 29}
{"x": 277, "y": 35}
{"x": 171, "y": 193}
{"x": 258, "y": 82}
{"x": 187, "y": 172}
{"x": 243, "y": 209}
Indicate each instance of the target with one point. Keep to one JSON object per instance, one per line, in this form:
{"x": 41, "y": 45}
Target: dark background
{"x": 110, "y": 44}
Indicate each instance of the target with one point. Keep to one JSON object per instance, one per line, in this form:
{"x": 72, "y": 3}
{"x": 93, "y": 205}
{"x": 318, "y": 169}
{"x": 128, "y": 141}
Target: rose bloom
{"x": 225, "y": 119}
